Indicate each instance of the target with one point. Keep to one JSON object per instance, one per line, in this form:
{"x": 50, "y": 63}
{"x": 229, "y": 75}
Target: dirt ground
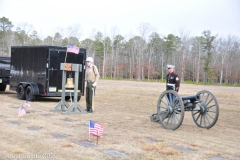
{"x": 123, "y": 108}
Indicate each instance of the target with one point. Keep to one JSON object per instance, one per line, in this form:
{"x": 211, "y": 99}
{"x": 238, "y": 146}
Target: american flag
{"x": 73, "y": 49}
{"x": 21, "y": 111}
{"x": 95, "y": 129}
{"x": 27, "y": 104}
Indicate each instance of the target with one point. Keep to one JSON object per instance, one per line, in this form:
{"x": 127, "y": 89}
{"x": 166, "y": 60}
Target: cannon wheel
{"x": 206, "y": 112}
{"x": 170, "y": 109}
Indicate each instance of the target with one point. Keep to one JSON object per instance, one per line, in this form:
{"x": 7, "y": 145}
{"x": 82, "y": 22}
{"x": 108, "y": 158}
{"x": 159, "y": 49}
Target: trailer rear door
{"x": 54, "y": 72}
{"x": 56, "y": 57}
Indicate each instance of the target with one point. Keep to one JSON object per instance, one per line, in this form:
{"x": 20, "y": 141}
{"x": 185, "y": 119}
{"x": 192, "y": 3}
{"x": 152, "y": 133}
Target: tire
{"x": 78, "y": 98}
{"x": 29, "y": 94}
{"x": 3, "y": 87}
{"x": 67, "y": 98}
{"x": 21, "y": 93}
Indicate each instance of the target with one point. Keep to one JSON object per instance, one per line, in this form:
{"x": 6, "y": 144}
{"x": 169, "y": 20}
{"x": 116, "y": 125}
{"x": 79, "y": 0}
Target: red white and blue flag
{"x": 95, "y": 129}
{"x": 27, "y": 104}
{"x": 73, "y": 49}
{"x": 21, "y": 111}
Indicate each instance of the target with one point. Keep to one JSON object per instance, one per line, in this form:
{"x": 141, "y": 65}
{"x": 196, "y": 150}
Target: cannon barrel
{"x": 190, "y": 99}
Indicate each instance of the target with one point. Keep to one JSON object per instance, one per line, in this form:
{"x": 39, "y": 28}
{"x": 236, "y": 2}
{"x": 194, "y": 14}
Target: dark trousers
{"x": 89, "y": 95}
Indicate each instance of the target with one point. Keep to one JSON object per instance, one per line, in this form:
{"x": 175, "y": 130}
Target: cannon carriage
{"x": 171, "y": 108}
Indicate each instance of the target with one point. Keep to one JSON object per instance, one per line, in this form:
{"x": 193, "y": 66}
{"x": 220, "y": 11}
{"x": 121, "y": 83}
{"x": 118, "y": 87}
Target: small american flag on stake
{"x": 21, "y": 111}
{"x": 95, "y": 129}
{"x": 27, "y": 104}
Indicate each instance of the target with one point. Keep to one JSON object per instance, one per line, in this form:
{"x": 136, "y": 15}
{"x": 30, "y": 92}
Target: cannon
{"x": 171, "y": 108}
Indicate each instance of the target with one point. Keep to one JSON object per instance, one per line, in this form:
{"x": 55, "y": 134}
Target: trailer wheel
{"x": 67, "y": 98}
{"x": 3, "y": 87}
{"x": 29, "y": 94}
{"x": 21, "y": 92}
{"x": 78, "y": 98}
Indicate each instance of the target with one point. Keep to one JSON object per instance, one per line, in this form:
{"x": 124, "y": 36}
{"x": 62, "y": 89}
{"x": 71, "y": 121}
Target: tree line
{"x": 201, "y": 59}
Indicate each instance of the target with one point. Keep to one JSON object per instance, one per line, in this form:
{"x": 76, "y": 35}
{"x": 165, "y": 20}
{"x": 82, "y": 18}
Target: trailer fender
{"x": 40, "y": 88}
{"x": 24, "y": 84}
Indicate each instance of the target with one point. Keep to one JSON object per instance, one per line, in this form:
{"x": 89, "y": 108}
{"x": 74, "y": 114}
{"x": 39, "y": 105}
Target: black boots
{"x": 89, "y": 110}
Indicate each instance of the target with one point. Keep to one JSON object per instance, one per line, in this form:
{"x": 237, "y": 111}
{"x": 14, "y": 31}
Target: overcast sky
{"x": 164, "y": 16}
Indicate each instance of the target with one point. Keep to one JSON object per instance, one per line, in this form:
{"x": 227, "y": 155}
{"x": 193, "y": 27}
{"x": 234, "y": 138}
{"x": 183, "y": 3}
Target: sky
{"x": 124, "y": 17}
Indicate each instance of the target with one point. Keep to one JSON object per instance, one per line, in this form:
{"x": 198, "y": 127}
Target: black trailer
{"x": 35, "y": 71}
{"x": 4, "y": 72}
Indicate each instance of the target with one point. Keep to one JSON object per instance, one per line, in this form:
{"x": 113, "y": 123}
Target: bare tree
{"x": 222, "y": 48}
{"x": 197, "y": 51}
{"x": 114, "y": 32}
{"x": 144, "y": 30}
{"x": 53, "y": 32}
{"x": 5, "y": 26}
{"x": 74, "y": 31}
{"x": 185, "y": 49}
{"x": 155, "y": 49}
{"x": 232, "y": 69}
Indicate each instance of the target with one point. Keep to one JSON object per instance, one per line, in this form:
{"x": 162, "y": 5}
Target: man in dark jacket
{"x": 172, "y": 79}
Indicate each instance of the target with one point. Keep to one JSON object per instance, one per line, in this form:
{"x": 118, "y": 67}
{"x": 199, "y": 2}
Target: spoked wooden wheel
{"x": 206, "y": 112}
{"x": 170, "y": 109}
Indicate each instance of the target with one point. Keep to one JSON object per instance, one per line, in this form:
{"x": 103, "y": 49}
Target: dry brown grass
{"x": 159, "y": 147}
{"x": 123, "y": 108}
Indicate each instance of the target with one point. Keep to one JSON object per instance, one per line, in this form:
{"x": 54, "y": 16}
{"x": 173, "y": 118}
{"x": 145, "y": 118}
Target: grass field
{"x": 123, "y": 108}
